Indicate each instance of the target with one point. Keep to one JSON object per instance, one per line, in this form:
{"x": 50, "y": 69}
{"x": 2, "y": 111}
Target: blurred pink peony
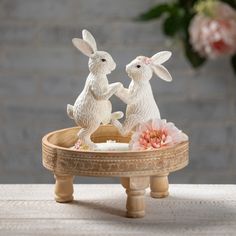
{"x": 156, "y": 133}
{"x": 213, "y": 31}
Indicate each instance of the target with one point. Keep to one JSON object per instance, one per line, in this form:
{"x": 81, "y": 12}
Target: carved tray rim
{"x": 49, "y": 144}
{"x": 65, "y": 161}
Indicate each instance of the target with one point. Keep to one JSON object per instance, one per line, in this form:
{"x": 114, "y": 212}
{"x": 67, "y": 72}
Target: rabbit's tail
{"x": 117, "y": 115}
{"x": 70, "y": 110}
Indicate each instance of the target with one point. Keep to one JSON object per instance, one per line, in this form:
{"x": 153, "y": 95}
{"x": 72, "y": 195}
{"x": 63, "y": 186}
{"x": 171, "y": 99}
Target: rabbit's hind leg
{"x": 106, "y": 112}
{"x": 118, "y": 125}
{"x": 84, "y": 135}
{"x": 130, "y": 123}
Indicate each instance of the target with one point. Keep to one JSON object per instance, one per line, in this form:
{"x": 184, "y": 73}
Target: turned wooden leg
{"x": 135, "y": 189}
{"x": 159, "y": 186}
{"x": 63, "y": 188}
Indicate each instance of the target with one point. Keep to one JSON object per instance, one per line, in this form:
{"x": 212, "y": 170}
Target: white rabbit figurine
{"x": 141, "y": 105}
{"x": 92, "y": 106}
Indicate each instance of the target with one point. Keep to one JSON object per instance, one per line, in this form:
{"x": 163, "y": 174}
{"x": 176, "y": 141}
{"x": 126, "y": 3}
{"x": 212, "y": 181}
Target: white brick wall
{"x": 40, "y": 72}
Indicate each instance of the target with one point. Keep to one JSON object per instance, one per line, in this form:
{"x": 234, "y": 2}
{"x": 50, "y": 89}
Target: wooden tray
{"x": 136, "y": 169}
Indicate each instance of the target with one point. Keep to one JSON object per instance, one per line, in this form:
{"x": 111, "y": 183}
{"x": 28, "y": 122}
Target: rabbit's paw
{"x": 117, "y": 86}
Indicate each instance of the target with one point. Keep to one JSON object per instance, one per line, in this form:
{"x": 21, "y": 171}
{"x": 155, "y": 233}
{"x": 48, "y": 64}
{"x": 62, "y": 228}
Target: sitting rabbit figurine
{"x": 141, "y": 105}
{"x": 92, "y": 106}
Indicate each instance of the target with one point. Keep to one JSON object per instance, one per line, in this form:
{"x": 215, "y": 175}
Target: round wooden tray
{"x": 136, "y": 168}
{"x": 58, "y": 157}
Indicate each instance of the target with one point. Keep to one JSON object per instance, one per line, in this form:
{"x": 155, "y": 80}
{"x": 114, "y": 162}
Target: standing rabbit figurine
{"x": 92, "y": 106}
{"x": 141, "y": 105}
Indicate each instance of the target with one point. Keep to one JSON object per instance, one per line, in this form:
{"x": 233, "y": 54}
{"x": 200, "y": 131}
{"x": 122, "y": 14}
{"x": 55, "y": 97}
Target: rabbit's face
{"x": 138, "y": 69}
{"x": 101, "y": 63}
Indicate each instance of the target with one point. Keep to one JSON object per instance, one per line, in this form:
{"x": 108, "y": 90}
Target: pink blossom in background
{"x": 214, "y": 35}
{"x": 156, "y": 133}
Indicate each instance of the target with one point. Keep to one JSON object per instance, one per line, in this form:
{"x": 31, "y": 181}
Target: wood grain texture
{"x": 96, "y": 210}
{"x": 58, "y": 157}
{"x": 63, "y": 191}
{"x": 135, "y": 190}
{"x": 134, "y": 166}
{"x": 159, "y": 186}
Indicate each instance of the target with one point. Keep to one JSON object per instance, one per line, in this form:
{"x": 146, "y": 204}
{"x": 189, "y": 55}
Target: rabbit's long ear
{"x": 162, "y": 72}
{"x": 83, "y": 46}
{"x": 88, "y": 37}
{"x": 161, "y": 57}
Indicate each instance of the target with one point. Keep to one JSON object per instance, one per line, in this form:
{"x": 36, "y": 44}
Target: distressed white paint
{"x": 99, "y": 210}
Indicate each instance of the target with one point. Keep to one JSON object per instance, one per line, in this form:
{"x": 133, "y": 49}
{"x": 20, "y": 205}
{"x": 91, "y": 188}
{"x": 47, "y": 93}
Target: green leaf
{"x": 154, "y": 12}
{"x": 194, "y": 58}
{"x": 172, "y": 24}
{"x": 233, "y": 62}
{"x": 187, "y": 4}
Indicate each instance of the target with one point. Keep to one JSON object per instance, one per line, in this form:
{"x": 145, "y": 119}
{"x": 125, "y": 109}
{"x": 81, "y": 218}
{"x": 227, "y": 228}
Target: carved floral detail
{"x": 97, "y": 164}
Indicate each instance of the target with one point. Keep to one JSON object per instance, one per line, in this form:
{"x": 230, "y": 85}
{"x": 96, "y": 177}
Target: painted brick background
{"x": 40, "y": 72}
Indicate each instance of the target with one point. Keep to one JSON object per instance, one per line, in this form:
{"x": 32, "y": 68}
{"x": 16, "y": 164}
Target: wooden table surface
{"x": 100, "y": 210}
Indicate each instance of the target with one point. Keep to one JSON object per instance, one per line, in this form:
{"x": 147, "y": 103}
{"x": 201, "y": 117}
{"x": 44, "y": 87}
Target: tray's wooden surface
{"x": 59, "y": 158}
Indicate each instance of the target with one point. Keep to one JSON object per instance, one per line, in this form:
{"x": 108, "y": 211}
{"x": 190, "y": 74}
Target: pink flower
{"x": 80, "y": 146}
{"x": 156, "y": 133}
{"x": 145, "y": 60}
{"x": 213, "y": 31}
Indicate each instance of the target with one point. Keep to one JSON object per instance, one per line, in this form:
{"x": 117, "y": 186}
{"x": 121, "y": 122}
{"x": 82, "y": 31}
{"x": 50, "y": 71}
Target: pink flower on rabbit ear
{"x": 147, "y": 60}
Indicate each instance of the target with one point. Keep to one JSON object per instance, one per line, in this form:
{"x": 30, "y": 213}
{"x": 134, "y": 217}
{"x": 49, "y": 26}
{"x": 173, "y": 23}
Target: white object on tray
{"x": 111, "y": 145}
